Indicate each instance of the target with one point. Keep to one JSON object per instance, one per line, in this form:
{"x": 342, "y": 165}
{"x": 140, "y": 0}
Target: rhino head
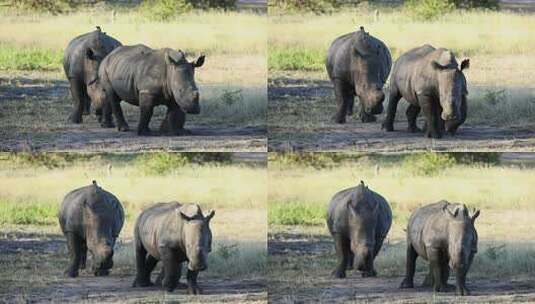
{"x": 99, "y": 223}
{"x": 363, "y": 212}
{"x": 196, "y": 235}
{"x": 181, "y": 82}
{"x": 367, "y": 73}
{"x": 462, "y": 240}
{"x": 451, "y": 84}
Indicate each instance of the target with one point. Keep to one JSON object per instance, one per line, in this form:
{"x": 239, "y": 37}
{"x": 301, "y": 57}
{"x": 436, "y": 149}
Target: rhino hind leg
{"x": 393, "y": 99}
{"x": 412, "y": 115}
{"x": 77, "y": 90}
{"x": 344, "y": 96}
{"x": 350, "y": 260}
{"x": 408, "y": 281}
{"x": 74, "y": 244}
{"x": 115, "y": 104}
{"x": 83, "y": 253}
{"x": 142, "y": 276}
{"x": 343, "y": 252}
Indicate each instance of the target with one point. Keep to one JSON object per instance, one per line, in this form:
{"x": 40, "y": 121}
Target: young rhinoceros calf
{"x": 444, "y": 234}
{"x": 172, "y": 233}
{"x": 430, "y": 80}
{"x": 91, "y": 219}
{"x": 358, "y": 64}
{"x": 147, "y": 78}
{"x": 81, "y": 60}
{"x": 359, "y": 220}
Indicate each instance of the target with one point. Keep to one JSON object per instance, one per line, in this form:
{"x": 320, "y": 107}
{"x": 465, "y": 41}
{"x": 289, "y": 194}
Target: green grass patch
{"x": 296, "y": 58}
{"x": 29, "y": 58}
{"x": 26, "y": 212}
{"x": 296, "y": 213}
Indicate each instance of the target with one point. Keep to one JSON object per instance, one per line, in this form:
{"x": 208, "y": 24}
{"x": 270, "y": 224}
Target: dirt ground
{"x": 300, "y": 266}
{"x": 34, "y": 111}
{"x": 32, "y": 267}
{"x": 299, "y": 119}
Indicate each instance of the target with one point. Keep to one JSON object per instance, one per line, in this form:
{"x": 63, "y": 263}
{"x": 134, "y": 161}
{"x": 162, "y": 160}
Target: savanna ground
{"x": 501, "y": 100}
{"x": 35, "y": 100}
{"x": 301, "y": 251}
{"x": 33, "y": 251}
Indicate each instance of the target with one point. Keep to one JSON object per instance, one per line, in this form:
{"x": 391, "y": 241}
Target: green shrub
{"x": 164, "y": 10}
{"x": 314, "y": 6}
{"x": 47, "y": 6}
{"x": 302, "y": 59}
{"x": 488, "y": 4}
{"x": 29, "y": 58}
{"x": 295, "y": 213}
{"x": 28, "y": 212}
{"x": 473, "y": 158}
{"x": 428, "y": 9}
{"x": 207, "y": 4}
{"x": 428, "y": 164}
{"x": 161, "y": 163}
{"x": 316, "y": 160}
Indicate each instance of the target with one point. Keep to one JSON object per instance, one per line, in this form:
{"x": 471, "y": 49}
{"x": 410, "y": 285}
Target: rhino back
{"x": 71, "y": 216}
{"x": 341, "y": 53}
{"x": 411, "y": 71}
{"x": 337, "y": 218}
{"x": 74, "y": 55}
{"x": 158, "y": 225}
{"x": 131, "y": 69}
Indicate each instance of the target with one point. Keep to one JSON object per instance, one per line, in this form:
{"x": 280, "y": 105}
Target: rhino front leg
{"x": 179, "y": 285}
{"x": 350, "y": 260}
{"x": 461, "y": 282}
{"x": 436, "y": 267}
{"x": 344, "y": 96}
{"x": 412, "y": 116}
{"x": 170, "y": 268}
{"x": 174, "y": 121}
{"x": 341, "y": 244}
{"x": 146, "y": 108}
{"x": 431, "y": 116}
{"x": 410, "y": 267}
{"x": 74, "y": 244}
{"x": 393, "y": 99}
{"x": 193, "y": 287}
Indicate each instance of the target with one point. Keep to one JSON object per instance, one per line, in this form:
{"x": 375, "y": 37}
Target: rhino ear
{"x": 447, "y": 210}
{"x": 90, "y": 54}
{"x": 199, "y": 61}
{"x": 210, "y": 215}
{"x": 475, "y": 215}
{"x": 175, "y": 57}
{"x": 465, "y": 64}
